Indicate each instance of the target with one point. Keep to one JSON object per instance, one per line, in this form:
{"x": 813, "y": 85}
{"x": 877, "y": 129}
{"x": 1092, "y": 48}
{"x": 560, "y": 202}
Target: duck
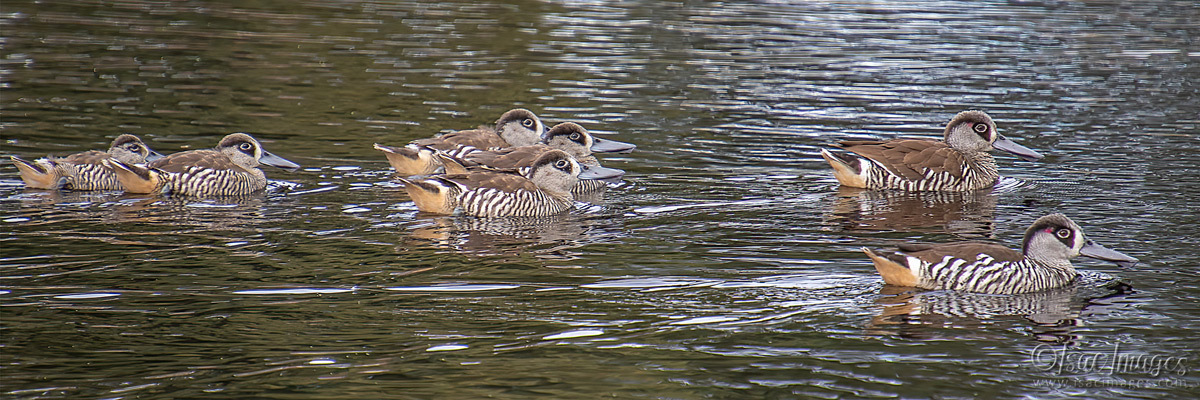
{"x": 230, "y": 169}
{"x": 1043, "y": 263}
{"x": 544, "y": 191}
{"x": 959, "y": 162}
{"x": 84, "y": 171}
{"x": 567, "y": 136}
{"x": 516, "y": 127}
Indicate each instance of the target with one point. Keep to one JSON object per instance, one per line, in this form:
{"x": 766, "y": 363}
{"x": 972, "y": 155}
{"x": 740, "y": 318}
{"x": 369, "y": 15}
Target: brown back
{"x": 910, "y": 158}
{"x": 180, "y": 162}
{"x": 506, "y": 182}
{"x": 510, "y": 158}
{"x": 934, "y": 253}
{"x": 480, "y": 138}
{"x": 87, "y": 157}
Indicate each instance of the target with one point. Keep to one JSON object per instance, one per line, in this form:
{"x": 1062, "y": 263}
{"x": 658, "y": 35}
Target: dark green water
{"x": 726, "y": 266}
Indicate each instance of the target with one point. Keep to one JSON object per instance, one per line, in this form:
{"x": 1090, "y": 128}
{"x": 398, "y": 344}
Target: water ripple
{"x": 727, "y": 265}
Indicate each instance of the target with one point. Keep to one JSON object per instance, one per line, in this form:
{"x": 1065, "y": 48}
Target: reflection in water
{"x": 83, "y": 212}
{"x": 966, "y": 214}
{"x": 37, "y": 198}
{"x": 911, "y": 311}
{"x": 548, "y": 236}
{"x": 228, "y": 213}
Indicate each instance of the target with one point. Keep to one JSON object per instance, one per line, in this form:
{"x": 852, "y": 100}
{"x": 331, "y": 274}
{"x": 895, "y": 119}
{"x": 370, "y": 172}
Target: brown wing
{"x": 180, "y": 162}
{"x": 496, "y": 180}
{"x": 87, "y": 157}
{"x": 480, "y": 138}
{"x": 510, "y": 158}
{"x": 965, "y": 250}
{"x": 909, "y": 158}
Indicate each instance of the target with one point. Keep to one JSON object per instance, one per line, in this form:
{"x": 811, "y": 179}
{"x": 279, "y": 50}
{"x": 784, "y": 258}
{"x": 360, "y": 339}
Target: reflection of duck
{"x": 502, "y": 235}
{"x": 959, "y": 162}
{"x": 156, "y": 214}
{"x": 231, "y": 169}
{"x": 86, "y": 170}
{"x": 229, "y": 213}
{"x": 968, "y": 214}
{"x": 911, "y": 310}
{"x": 1044, "y": 261}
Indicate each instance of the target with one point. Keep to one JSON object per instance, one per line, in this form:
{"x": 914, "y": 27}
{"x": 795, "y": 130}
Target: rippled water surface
{"x": 727, "y": 265}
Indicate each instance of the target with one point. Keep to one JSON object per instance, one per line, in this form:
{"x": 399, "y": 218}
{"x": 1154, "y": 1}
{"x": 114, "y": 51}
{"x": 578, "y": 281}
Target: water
{"x": 727, "y": 265}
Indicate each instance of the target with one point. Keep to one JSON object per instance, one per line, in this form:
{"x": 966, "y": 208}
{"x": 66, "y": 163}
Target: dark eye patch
{"x": 1065, "y": 236}
{"x": 981, "y": 129}
{"x": 1054, "y": 229}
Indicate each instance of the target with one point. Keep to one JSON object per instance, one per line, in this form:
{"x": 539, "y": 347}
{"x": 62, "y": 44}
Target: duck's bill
{"x": 611, "y": 146}
{"x": 277, "y": 161}
{"x": 1094, "y": 250}
{"x": 154, "y": 155}
{"x": 1027, "y": 154}
{"x": 600, "y": 173}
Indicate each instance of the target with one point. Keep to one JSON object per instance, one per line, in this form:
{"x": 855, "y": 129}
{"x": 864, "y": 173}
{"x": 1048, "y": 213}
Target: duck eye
{"x": 1063, "y": 233}
{"x": 574, "y": 136}
{"x": 528, "y": 123}
{"x": 134, "y": 148}
{"x": 245, "y": 146}
{"x": 562, "y": 164}
{"x": 980, "y": 128}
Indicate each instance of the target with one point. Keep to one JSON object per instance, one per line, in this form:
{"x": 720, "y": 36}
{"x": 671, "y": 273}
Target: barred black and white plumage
{"x": 230, "y": 169}
{"x": 208, "y": 182}
{"x": 87, "y": 177}
{"x": 545, "y": 190}
{"x": 960, "y": 162}
{"x": 492, "y": 202}
{"x": 86, "y": 170}
{"x": 978, "y": 172}
{"x": 589, "y": 186}
{"x": 987, "y": 275}
{"x": 1044, "y": 262}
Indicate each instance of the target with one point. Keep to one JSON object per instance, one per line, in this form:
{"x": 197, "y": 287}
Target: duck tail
{"x": 431, "y": 195}
{"x": 42, "y": 174}
{"x": 891, "y": 268}
{"x": 452, "y": 166}
{"x": 135, "y": 178}
{"x": 410, "y": 160}
{"x": 848, "y": 169}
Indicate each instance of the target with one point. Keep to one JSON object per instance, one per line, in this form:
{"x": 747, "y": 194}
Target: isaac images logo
{"x": 1110, "y": 367}
{"x": 1105, "y": 361}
